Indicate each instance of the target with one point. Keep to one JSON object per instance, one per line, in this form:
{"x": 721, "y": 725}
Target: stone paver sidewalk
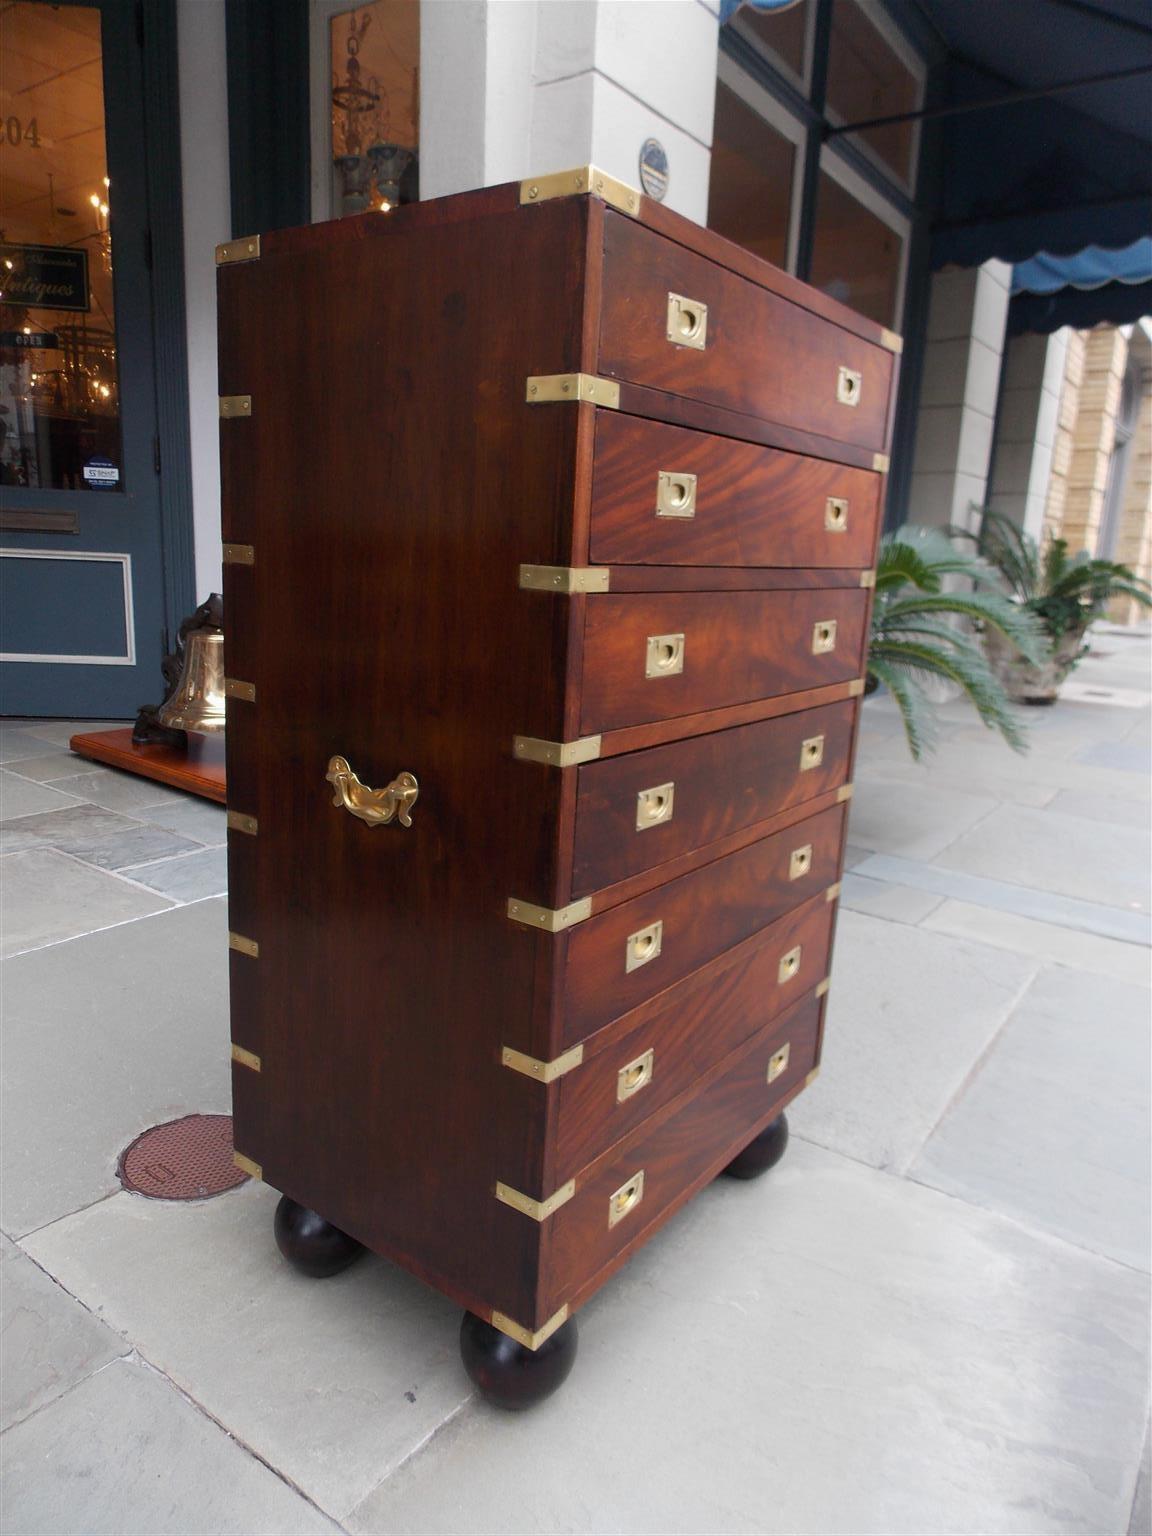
{"x": 931, "y": 1318}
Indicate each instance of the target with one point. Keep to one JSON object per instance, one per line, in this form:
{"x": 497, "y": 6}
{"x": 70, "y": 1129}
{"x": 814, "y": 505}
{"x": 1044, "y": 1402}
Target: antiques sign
{"x": 44, "y": 277}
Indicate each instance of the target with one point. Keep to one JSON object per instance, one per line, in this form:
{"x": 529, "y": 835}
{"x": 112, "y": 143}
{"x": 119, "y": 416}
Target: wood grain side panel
{"x": 720, "y": 783}
{"x": 703, "y": 914}
{"x": 738, "y": 646}
{"x": 753, "y": 506}
{"x": 764, "y": 356}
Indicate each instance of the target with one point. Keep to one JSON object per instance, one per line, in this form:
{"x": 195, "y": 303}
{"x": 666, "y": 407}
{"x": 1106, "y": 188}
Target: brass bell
{"x": 196, "y": 700}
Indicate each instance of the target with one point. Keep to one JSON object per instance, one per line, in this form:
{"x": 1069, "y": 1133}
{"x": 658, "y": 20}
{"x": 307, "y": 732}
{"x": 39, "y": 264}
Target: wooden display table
{"x": 199, "y": 770}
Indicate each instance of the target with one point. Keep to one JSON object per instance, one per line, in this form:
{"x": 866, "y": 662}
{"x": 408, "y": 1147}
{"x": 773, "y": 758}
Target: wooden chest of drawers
{"x": 567, "y": 509}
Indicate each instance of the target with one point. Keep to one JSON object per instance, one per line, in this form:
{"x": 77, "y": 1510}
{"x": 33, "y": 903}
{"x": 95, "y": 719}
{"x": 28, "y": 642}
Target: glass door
{"x": 82, "y": 619}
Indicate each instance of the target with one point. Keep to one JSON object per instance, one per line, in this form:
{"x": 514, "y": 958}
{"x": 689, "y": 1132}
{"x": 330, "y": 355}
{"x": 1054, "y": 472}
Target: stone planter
{"x": 1024, "y": 682}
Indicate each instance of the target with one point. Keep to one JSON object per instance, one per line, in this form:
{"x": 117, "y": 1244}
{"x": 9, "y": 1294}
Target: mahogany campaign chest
{"x": 550, "y": 524}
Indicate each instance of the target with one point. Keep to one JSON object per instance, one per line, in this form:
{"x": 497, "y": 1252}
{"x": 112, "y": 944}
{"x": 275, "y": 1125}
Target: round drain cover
{"x": 189, "y": 1159}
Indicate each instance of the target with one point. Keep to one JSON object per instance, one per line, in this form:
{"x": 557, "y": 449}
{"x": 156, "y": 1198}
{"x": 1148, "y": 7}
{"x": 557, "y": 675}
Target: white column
{"x": 1026, "y": 428}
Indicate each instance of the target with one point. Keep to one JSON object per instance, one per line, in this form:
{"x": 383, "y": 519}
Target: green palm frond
{"x": 971, "y": 673}
{"x": 915, "y": 709}
{"x": 899, "y": 564}
{"x": 1020, "y": 625}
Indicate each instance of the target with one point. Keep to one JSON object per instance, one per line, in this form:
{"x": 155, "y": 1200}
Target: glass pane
{"x": 59, "y": 386}
{"x": 855, "y": 256}
{"x": 750, "y": 190}
{"x": 375, "y": 57}
{"x": 783, "y": 32}
{"x": 866, "y": 78}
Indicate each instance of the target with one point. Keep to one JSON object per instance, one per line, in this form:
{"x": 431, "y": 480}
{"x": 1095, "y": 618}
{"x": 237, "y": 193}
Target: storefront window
{"x": 867, "y": 78}
{"x": 750, "y": 188}
{"x": 856, "y": 257}
{"x": 375, "y": 55}
{"x": 59, "y": 384}
{"x": 783, "y": 34}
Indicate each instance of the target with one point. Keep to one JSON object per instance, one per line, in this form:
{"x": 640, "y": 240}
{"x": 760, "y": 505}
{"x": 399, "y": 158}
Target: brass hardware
{"x": 525, "y": 1336}
{"x": 377, "y": 807}
{"x": 244, "y": 946}
{"x": 675, "y": 494}
{"x": 812, "y": 1076}
{"x": 197, "y": 701}
{"x": 234, "y": 688}
{"x": 239, "y": 822}
{"x": 848, "y": 385}
{"x": 626, "y": 1198}
{"x": 800, "y": 862}
{"x": 235, "y": 405}
{"x": 636, "y": 1075}
{"x": 832, "y": 892}
{"x": 643, "y": 946}
{"x": 254, "y": 1170}
{"x": 687, "y": 322}
{"x": 893, "y": 342}
{"x": 836, "y": 514}
{"x": 543, "y": 387}
{"x": 586, "y": 178}
{"x": 664, "y": 656}
{"x": 811, "y": 752}
{"x": 844, "y": 792}
{"x": 823, "y": 637}
{"x": 789, "y": 964}
{"x": 654, "y": 806}
{"x": 778, "y": 1062}
{"x": 544, "y": 917}
{"x": 880, "y": 462}
{"x": 557, "y": 754}
{"x": 564, "y": 578}
{"x": 239, "y": 554}
{"x": 245, "y": 1058}
{"x": 867, "y": 578}
{"x": 539, "y": 1210}
{"x": 542, "y": 1071}
{"x": 247, "y": 249}
{"x": 855, "y": 687}
{"x": 822, "y": 987}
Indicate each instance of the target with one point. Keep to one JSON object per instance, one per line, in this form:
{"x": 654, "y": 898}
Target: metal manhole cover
{"x": 188, "y": 1159}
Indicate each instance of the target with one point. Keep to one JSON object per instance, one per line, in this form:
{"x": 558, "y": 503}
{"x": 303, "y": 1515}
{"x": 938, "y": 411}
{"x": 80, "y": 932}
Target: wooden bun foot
{"x": 509, "y": 1374}
{"x": 312, "y": 1245}
{"x": 762, "y": 1152}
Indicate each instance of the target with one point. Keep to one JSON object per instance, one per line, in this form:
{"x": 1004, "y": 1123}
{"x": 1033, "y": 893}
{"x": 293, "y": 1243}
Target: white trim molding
{"x": 125, "y": 562}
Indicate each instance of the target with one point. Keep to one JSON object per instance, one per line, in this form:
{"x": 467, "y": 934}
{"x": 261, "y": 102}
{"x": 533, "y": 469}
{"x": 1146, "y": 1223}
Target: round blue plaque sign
{"x": 654, "y": 169}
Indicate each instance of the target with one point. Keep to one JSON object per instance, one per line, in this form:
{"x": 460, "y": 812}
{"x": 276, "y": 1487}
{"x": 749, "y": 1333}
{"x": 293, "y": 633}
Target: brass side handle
{"x": 675, "y": 494}
{"x": 375, "y": 806}
{"x": 687, "y": 322}
{"x": 625, "y": 1200}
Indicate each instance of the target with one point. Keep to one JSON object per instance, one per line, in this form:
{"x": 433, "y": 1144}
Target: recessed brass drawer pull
{"x": 823, "y": 637}
{"x": 654, "y": 806}
{"x": 643, "y": 946}
{"x": 811, "y": 752}
{"x": 778, "y": 1063}
{"x": 665, "y": 656}
{"x": 789, "y": 964}
{"x": 636, "y": 1075}
{"x": 626, "y": 1198}
{"x": 800, "y": 862}
{"x": 675, "y": 494}
{"x": 687, "y": 322}
{"x": 375, "y": 806}
{"x": 836, "y": 514}
{"x": 848, "y": 386}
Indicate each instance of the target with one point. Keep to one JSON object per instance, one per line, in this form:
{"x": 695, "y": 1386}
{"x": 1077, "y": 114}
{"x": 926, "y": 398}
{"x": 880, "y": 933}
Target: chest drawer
{"x": 666, "y": 495}
{"x": 676, "y": 653}
{"x": 662, "y": 1048}
{"x": 645, "y": 1176}
{"x": 620, "y": 958}
{"x": 639, "y": 810}
{"x": 752, "y": 351}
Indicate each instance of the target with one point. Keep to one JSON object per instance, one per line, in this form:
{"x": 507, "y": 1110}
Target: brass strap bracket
{"x": 539, "y": 1210}
{"x": 235, "y": 405}
{"x": 880, "y": 462}
{"x": 844, "y": 792}
{"x": 236, "y": 688}
{"x": 867, "y": 578}
{"x": 557, "y": 754}
{"x": 245, "y": 1058}
{"x": 564, "y": 578}
{"x": 584, "y": 179}
{"x": 253, "y": 1170}
{"x": 244, "y": 946}
{"x": 247, "y": 249}
{"x": 832, "y": 892}
{"x": 552, "y": 920}
{"x": 526, "y": 1336}
{"x": 822, "y": 987}
{"x": 892, "y": 341}
{"x": 239, "y": 554}
{"x": 855, "y": 687}
{"x": 543, "y": 387}
{"x": 542, "y": 1071}
{"x": 238, "y": 821}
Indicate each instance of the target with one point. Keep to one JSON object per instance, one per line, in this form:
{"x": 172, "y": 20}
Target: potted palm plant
{"x": 1065, "y": 593}
{"x": 923, "y": 634}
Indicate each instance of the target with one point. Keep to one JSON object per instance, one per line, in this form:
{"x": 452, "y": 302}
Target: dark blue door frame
{"x": 151, "y": 519}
